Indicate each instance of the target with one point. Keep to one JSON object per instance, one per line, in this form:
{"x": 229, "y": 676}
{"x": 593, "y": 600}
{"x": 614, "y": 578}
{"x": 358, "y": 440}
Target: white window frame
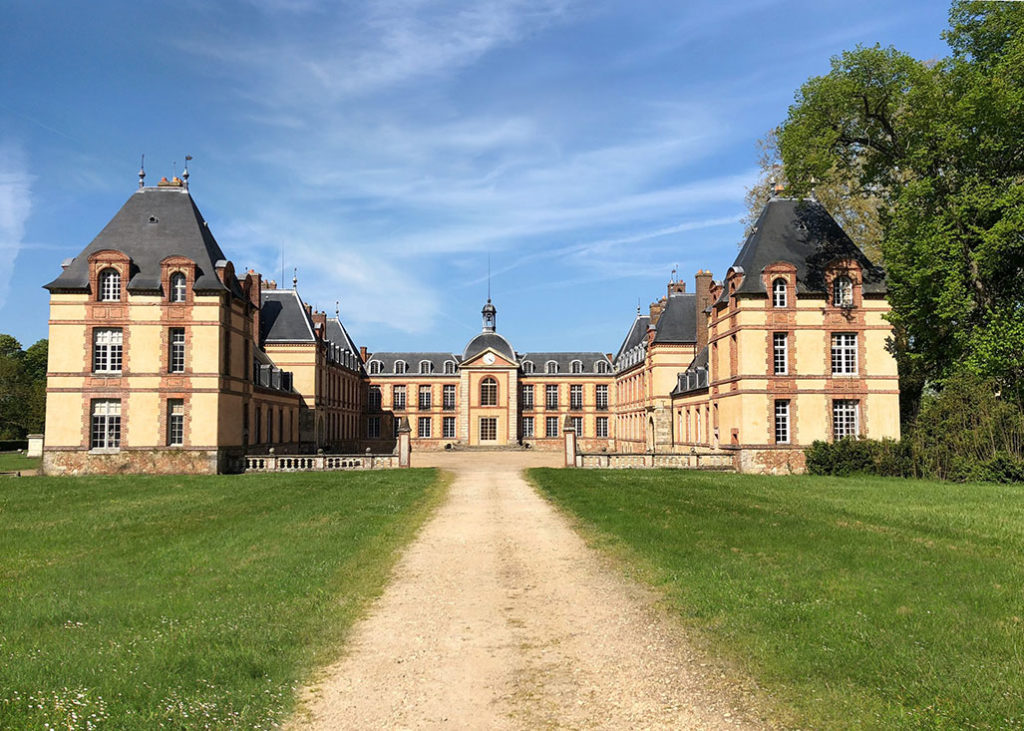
{"x": 448, "y": 427}
{"x": 780, "y": 292}
{"x": 780, "y": 354}
{"x": 490, "y": 432}
{"x": 527, "y": 366}
{"x": 601, "y": 396}
{"x": 400, "y": 367}
{"x": 105, "y": 424}
{"x": 526, "y": 427}
{"x": 550, "y": 390}
{"x": 842, "y": 291}
{"x": 845, "y": 418}
{"x": 844, "y": 354}
{"x": 424, "y": 427}
{"x": 178, "y": 286}
{"x": 373, "y": 427}
{"x": 601, "y": 366}
{"x": 175, "y": 422}
{"x": 375, "y": 367}
{"x": 425, "y": 367}
{"x": 107, "y": 350}
{"x": 109, "y": 281}
{"x": 576, "y": 366}
{"x": 448, "y": 396}
{"x": 399, "y": 401}
{"x": 489, "y": 397}
{"x": 424, "y": 398}
{"x": 577, "y": 423}
{"x": 449, "y": 367}
{"x": 601, "y": 427}
{"x": 576, "y": 396}
{"x": 526, "y": 395}
{"x": 176, "y": 350}
{"x": 551, "y": 367}
{"x": 551, "y": 426}
{"x": 374, "y": 397}
{"x": 782, "y": 429}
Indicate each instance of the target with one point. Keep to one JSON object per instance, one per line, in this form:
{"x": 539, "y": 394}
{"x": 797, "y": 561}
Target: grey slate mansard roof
{"x": 564, "y": 361}
{"x": 338, "y": 335}
{"x": 802, "y": 233}
{"x": 637, "y": 333}
{"x": 154, "y": 223}
{"x": 678, "y": 323}
{"x": 486, "y": 340}
{"x": 412, "y": 360}
{"x": 283, "y": 318}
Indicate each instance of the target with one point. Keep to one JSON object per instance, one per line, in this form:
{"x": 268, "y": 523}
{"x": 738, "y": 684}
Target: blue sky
{"x": 388, "y": 147}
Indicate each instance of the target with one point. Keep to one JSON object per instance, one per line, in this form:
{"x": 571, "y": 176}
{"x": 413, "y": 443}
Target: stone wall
{"x": 707, "y": 461}
{"x": 132, "y": 461}
{"x": 779, "y": 461}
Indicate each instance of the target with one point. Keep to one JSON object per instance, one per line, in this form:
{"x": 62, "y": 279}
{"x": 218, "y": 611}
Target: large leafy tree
{"x": 22, "y": 387}
{"x": 941, "y": 147}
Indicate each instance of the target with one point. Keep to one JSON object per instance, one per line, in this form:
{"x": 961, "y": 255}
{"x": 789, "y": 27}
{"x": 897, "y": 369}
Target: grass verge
{"x": 857, "y": 602}
{"x": 188, "y": 602}
{"x": 15, "y": 462}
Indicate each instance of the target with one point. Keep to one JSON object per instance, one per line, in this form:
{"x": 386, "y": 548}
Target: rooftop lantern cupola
{"x": 490, "y": 314}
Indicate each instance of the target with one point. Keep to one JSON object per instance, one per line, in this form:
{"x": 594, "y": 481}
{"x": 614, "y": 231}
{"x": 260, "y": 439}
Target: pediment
{"x": 488, "y": 358}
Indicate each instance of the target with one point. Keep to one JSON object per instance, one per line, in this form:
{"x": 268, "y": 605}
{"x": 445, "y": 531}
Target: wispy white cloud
{"x": 15, "y": 207}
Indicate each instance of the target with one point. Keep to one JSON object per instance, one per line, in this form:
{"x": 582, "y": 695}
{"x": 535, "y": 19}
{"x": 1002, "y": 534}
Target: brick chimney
{"x": 702, "y": 286}
{"x": 270, "y": 284}
{"x": 362, "y": 353}
{"x": 656, "y": 309}
{"x": 678, "y": 287}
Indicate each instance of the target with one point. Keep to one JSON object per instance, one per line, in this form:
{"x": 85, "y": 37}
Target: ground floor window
{"x": 577, "y": 424}
{"x": 106, "y": 424}
{"x": 527, "y": 424}
{"x": 488, "y": 429}
{"x": 396, "y": 424}
{"x": 175, "y": 422}
{"x": 373, "y": 427}
{"x": 449, "y": 427}
{"x": 782, "y": 422}
{"x": 602, "y": 426}
{"x": 552, "y": 426}
{"x": 845, "y": 418}
{"x": 425, "y": 422}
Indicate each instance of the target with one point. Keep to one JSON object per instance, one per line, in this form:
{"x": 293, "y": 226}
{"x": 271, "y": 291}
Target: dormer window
{"x": 601, "y": 366}
{"x": 425, "y": 366}
{"x": 374, "y": 367}
{"x": 527, "y": 366}
{"x": 449, "y": 367}
{"x": 400, "y": 367}
{"x": 842, "y": 291}
{"x": 110, "y": 285}
{"x": 178, "y": 287}
{"x": 779, "y": 297}
{"x": 551, "y": 367}
{"x": 576, "y": 366}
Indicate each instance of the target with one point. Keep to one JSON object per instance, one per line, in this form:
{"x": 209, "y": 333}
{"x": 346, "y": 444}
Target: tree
{"x": 941, "y": 146}
{"x": 22, "y": 388}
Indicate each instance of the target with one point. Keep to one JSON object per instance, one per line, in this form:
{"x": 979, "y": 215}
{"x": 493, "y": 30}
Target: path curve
{"x": 500, "y": 617}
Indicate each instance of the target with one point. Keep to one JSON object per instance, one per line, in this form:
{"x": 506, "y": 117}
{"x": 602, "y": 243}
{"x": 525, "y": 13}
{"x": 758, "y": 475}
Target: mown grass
{"x": 858, "y": 602}
{"x": 16, "y": 462}
{"x": 187, "y": 602}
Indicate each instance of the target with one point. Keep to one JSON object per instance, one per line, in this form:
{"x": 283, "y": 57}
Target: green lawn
{"x": 14, "y": 462}
{"x": 857, "y": 602}
{"x": 188, "y": 602}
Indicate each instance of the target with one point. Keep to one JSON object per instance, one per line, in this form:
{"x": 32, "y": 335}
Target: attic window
{"x": 842, "y": 291}
{"x": 374, "y": 367}
{"x": 400, "y": 366}
{"x": 110, "y": 285}
{"x": 779, "y": 292}
{"x": 576, "y": 366}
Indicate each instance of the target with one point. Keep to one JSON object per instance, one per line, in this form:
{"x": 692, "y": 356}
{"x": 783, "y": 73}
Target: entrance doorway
{"x": 488, "y": 429}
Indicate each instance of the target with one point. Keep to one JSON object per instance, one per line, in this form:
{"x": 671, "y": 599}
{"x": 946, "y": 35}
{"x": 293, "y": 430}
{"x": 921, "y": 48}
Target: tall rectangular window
{"x": 844, "y": 354}
{"x": 782, "y": 422}
{"x": 780, "y": 353}
{"x": 488, "y": 429}
{"x": 527, "y": 426}
{"x": 396, "y": 423}
{"x": 845, "y": 418}
{"x": 602, "y": 426}
{"x": 176, "y": 356}
{"x": 449, "y": 397}
{"x": 527, "y": 396}
{"x": 175, "y": 422}
{"x": 551, "y": 424}
{"x": 601, "y": 393}
{"x": 398, "y": 398}
{"x": 106, "y": 424}
{"x": 373, "y": 427}
{"x": 425, "y": 424}
{"x": 448, "y": 427}
{"x": 576, "y": 396}
{"x": 577, "y": 424}
{"x": 373, "y": 396}
{"x": 107, "y": 350}
{"x": 424, "y": 398}
{"x": 551, "y": 396}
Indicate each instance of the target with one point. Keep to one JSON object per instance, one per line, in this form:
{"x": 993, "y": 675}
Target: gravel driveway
{"x": 500, "y": 617}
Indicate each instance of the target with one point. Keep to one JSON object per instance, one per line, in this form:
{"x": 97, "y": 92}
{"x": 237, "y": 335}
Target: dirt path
{"x": 499, "y": 617}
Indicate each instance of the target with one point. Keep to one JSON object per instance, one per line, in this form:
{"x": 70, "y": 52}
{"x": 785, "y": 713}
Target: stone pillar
{"x": 35, "y": 445}
{"x": 570, "y": 442}
{"x": 404, "y": 447}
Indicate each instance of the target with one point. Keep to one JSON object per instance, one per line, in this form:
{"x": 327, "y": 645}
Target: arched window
{"x": 399, "y": 366}
{"x": 842, "y": 291}
{"x": 576, "y": 366}
{"x": 449, "y": 367}
{"x": 488, "y": 392}
{"x": 425, "y": 366}
{"x": 601, "y": 366}
{"x": 551, "y": 367}
{"x": 779, "y": 293}
{"x": 110, "y": 285}
{"x": 177, "y": 287}
{"x": 374, "y": 367}
{"x": 527, "y": 366}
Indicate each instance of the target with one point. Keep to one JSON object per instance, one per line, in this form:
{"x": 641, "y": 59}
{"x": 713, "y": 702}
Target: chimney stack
{"x": 702, "y": 284}
{"x": 362, "y": 353}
